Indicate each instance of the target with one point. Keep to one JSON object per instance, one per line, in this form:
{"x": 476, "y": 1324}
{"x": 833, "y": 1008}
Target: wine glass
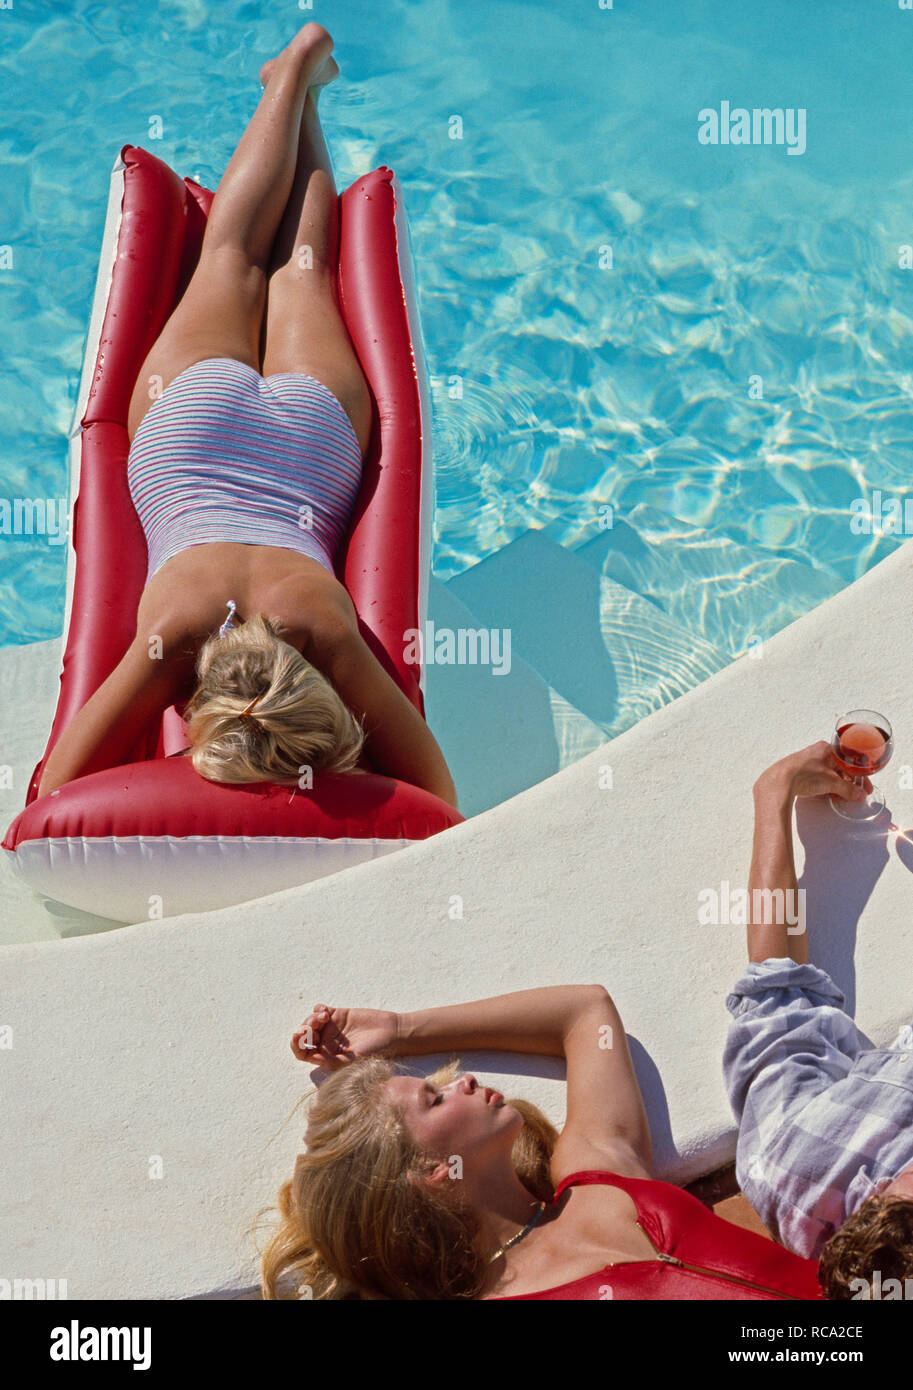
{"x": 863, "y": 743}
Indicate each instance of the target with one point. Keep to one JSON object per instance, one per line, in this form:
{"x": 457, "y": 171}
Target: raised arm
{"x": 772, "y": 887}
{"x": 397, "y": 738}
{"x": 606, "y": 1125}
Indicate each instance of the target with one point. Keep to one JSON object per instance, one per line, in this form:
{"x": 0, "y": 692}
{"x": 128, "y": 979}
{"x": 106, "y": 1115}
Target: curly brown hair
{"x": 877, "y": 1239}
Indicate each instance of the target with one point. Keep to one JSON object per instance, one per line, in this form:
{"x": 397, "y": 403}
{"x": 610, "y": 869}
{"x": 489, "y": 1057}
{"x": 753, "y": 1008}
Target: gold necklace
{"x": 519, "y": 1236}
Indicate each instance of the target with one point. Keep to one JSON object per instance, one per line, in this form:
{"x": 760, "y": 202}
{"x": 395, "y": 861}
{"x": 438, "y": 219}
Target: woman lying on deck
{"x": 442, "y": 1189}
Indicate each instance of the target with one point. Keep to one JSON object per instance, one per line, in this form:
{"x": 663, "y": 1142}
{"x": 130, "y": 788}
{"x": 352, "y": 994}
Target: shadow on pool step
{"x": 550, "y": 602}
{"x": 497, "y": 732}
{"x": 610, "y": 653}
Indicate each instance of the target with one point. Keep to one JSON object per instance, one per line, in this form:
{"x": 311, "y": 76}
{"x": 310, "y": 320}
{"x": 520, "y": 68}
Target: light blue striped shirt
{"x": 825, "y": 1119}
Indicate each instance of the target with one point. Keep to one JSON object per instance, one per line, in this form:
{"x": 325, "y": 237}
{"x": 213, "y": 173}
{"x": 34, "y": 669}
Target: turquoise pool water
{"x": 560, "y": 385}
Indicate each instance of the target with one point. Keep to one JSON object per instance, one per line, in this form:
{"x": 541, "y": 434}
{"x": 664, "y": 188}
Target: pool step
{"x": 481, "y": 720}
{"x": 589, "y": 658}
{"x": 728, "y": 594}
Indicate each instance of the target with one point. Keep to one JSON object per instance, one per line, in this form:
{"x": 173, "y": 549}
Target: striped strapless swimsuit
{"x": 225, "y": 454}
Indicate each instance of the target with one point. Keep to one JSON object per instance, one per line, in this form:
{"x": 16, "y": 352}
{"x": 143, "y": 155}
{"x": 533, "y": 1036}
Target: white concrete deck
{"x": 168, "y": 1041}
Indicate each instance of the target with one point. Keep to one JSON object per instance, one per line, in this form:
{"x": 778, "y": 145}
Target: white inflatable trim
{"x": 103, "y": 283}
{"x": 150, "y": 877}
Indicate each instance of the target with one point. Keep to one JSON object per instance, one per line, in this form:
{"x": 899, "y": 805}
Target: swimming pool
{"x": 603, "y": 300}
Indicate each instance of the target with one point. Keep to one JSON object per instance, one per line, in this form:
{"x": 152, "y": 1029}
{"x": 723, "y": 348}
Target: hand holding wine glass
{"x": 812, "y": 772}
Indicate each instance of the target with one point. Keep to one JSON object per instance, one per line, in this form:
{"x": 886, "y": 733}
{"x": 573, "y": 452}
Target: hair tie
{"x": 246, "y": 713}
{"x": 230, "y": 620}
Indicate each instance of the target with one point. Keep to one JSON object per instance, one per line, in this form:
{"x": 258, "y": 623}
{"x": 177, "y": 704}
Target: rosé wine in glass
{"x": 863, "y": 742}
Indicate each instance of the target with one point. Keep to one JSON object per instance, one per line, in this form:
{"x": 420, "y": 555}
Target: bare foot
{"x": 326, "y": 73}
{"x": 314, "y": 44}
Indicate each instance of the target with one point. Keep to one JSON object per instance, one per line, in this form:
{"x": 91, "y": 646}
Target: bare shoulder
{"x": 178, "y": 622}
{"x": 189, "y": 594}
{"x": 307, "y": 595}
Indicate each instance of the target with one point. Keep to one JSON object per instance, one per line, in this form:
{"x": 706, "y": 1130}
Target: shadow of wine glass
{"x": 903, "y": 843}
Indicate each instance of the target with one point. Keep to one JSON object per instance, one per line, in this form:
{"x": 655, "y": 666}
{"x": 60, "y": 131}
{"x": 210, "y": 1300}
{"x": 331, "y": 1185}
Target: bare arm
{"x": 606, "y": 1124}
{"x": 813, "y": 771}
{"x": 772, "y": 868}
{"x": 143, "y": 684}
{"x": 397, "y": 738}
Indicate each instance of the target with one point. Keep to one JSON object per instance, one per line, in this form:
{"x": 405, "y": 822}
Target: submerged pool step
{"x": 499, "y": 733}
{"x": 727, "y": 594}
{"x": 609, "y": 653}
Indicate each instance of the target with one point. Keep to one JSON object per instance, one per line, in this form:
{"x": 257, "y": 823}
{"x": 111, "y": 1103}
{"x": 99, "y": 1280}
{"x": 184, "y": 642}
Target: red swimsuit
{"x": 699, "y": 1255}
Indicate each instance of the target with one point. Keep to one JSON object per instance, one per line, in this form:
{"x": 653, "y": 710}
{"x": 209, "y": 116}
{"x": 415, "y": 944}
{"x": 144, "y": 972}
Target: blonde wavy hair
{"x": 353, "y": 1221}
{"x": 296, "y": 720}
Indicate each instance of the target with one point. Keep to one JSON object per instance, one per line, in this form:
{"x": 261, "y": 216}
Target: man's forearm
{"x": 775, "y": 912}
